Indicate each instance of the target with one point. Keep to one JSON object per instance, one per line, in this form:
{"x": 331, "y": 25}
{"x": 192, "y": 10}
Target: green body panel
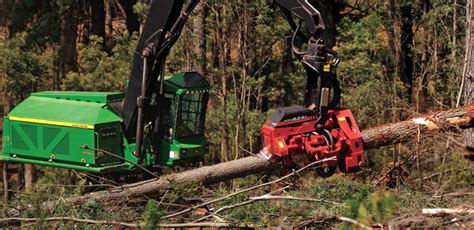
{"x": 61, "y": 131}
{"x": 61, "y": 144}
{"x": 99, "y": 97}
{"x": 183, "y": 150}
{"x": 79, "y": 130}
{"x": 63, "y": 110}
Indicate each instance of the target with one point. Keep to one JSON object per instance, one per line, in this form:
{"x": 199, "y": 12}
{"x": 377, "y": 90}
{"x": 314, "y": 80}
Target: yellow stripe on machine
{"x": 46, "y": 122}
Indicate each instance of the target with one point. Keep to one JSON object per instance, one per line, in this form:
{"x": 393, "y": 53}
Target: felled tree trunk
{"x": 375, "y": 137}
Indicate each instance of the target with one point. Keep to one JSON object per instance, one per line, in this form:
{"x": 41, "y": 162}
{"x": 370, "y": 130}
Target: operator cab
{"x": 186, "y": 97}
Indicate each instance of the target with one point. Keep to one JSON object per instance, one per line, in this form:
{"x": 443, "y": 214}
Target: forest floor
{"x": 394, "y": 195}
{"x": 311, "y": 201}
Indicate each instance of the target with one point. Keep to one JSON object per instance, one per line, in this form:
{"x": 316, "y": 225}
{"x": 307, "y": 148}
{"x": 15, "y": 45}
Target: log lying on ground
{"x": 447, "y": 211}
{"x": 375, "y": 137}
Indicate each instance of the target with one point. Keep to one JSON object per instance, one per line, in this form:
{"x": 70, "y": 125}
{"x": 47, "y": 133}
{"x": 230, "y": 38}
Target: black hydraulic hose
{"x": 335, "y": 82}
{"x": 175, "y": 31}
{"x": 331, "y": 139}
{"x": 293, "y": 41}
{"x": 328, "y": 143}
{"x": 336, "y": 56}
{"x": 184, "y": 15}
{"x": 141, "y": 104}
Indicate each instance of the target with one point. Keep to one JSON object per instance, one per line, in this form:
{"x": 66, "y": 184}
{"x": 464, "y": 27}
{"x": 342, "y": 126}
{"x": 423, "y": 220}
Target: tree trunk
{"x": 421, "y": 98}
{"x": 5, "y": 182}
{"x": 373, "y": 138}
{"x": 20, "y": 176}
{"x": 221, "y": 39}
{"x": 3, "y": 21}
{"x": 97, "y": 23}
{"x": 200, "y": 35}
{"x": 6, "y": 110}
{"x": 394, "y": 48}
{"x": 67, "y": 53}
{"x": 108, "y": 25}
{"x": 85, "y": 8}
{"x": 468, "y": 81}
{"x": 455, "y": 28}
{"x": 406, "y": 42}
{"x": 30, "y": 176}
{"x": 131, "y": 18}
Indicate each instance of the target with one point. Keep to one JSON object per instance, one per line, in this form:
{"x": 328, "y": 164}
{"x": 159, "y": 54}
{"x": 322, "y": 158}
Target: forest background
{"x": 399, "y": 58}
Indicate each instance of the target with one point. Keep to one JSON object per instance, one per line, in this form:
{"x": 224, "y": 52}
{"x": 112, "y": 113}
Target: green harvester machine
{"x": 84, "y": 131}
{"x": 158, "y": 121}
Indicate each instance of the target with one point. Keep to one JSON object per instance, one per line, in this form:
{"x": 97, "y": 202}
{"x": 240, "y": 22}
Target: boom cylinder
{"x": 141, "y": 104}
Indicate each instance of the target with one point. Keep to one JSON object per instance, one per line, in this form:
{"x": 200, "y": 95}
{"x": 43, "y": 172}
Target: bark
{"x": 455, "y": 27}
{"x": 66, "y": 58}
{"x": 467, "y": 84}
{"x": 375, "y": 137}
{"x": 20, "y": 177}
{"x": 222, "y": 43}
{"x": 30, "y": 176}
{"x": 394, "y": 49}
{"x": 6, "y": 110}
{"x": 422, "y": 89}
{"x": 200, "y": 34}
{"x": 3, "y": 15}
{"x": 5, "y": 182}
{"x": 108, "y": 25}
{"x": 97, "y": 23}
{"x": 85, "y": 9}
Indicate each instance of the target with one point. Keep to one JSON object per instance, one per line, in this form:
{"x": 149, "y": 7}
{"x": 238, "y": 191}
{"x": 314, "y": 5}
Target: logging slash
{"x": 454, "y": 119}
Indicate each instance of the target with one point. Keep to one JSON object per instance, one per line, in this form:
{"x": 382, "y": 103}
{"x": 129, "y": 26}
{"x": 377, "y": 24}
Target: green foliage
{"x": 19, "y": 68}
{"x": 39, "y": 30}
{"x": 152, "y": 215}
{"x": 184, "y": 190}
{"x": 40, "y": 20}
{"x": 99, "y": 71}
{"x": 460, "y": 172}
{"x": 92, "y": 209}
{"x": 258, "y": 213}
{"x": 359, "y": 201}
{"x": 365, "y": 62}
{"x": 250, "y": 125}
{"x": 141, "y": 8}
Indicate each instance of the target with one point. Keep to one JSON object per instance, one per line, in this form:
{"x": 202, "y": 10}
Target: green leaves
{"x": 99, "y": 71}
{"x": 152, "y": 215}
{"x": 19, "y": 68}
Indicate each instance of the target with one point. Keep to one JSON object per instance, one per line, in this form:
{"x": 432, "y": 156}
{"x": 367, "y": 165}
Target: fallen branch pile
{"x": 375, "y": 137}
{"x": 118, "y": 224}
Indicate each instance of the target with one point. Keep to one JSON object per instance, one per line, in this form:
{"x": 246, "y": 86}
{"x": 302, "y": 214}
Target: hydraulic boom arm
{"x": 318, "y": 130}
{"x": 162, "y": 28}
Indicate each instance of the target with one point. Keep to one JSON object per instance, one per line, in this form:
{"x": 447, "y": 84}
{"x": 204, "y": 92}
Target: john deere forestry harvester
{"x": 160, "y": 120}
